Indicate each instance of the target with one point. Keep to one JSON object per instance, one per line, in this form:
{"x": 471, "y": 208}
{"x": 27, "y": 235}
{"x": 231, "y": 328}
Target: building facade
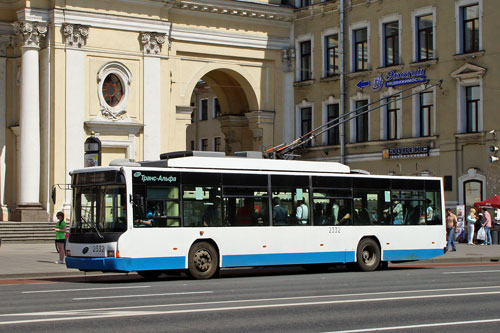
{"x": 413, "y": 83}
{"x": 125, "y": 71}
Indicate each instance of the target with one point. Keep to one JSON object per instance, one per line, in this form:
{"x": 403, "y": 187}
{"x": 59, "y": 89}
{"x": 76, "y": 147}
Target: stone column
{"x": 152, "y": 43}
{"x": 261, "y": 123}
{"x": 29, "y": 207}
{"x": 4, "y": 42}
{"x": 75, "y": 37}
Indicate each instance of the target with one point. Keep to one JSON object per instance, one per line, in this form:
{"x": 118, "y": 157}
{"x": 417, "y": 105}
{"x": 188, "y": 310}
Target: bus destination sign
{"x": 155, "y": 178}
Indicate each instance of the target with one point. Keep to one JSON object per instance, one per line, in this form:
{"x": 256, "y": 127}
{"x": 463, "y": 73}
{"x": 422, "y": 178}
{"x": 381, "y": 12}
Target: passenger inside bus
{"x": 280, "y": 213}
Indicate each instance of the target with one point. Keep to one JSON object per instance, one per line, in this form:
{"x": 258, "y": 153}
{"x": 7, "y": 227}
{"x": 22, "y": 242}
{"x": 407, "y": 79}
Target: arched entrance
{"x": 226, "y": 115}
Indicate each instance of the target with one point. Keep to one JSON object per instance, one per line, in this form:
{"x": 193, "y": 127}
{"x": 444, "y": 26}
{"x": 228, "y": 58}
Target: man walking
{"x": 487, "y": 227}
{"x": 451, "y": 226}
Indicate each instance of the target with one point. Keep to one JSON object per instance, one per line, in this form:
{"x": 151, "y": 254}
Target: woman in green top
{"x": 60, "y": 230}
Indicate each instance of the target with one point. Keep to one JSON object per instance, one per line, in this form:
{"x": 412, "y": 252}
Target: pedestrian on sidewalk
{"x": 471, "y": 219}
{"x": 451, "y": 227}
{"x": 487, "y": 227}
{"x": 60, "y": 230}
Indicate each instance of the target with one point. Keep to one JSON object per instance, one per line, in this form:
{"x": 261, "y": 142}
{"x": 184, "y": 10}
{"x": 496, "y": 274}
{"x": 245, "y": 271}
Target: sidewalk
{"x": 38, "y": 260}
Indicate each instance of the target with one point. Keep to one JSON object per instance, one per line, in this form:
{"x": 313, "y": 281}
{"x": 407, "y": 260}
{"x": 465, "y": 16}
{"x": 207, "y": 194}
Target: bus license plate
{"x": 98, "y": 249}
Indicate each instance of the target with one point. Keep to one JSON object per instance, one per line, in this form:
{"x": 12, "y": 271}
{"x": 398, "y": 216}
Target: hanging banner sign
{"x": 392, "y": 78}
{"x": 405, "y": 152}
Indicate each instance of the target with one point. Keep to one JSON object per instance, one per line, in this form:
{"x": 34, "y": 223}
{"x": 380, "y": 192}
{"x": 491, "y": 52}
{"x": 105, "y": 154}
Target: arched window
{"x": 473, "y": 192}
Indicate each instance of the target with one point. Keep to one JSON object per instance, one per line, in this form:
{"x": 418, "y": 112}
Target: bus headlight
{"x": 111, "y": 253}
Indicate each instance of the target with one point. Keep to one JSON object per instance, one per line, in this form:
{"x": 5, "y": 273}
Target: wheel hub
{"x": 202, "y": 260}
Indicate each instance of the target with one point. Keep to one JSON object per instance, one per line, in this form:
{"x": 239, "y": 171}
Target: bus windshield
{"x": 99, "y": 208}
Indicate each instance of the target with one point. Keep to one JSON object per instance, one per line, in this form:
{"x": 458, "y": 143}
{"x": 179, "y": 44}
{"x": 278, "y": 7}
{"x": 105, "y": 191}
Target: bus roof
{"x": 257, "y": 164}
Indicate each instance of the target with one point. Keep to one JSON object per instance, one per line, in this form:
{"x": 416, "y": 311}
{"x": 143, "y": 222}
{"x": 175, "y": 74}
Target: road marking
{"x": 470, "y": 322}
{"x": 144, "y": 295}
{"x": 472, "y": 272}
{"x": 84, "y": 289}
{"x": 115, "y": 312}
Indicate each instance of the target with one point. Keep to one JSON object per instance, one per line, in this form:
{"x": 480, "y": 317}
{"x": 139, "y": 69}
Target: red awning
{"x": 493, "y": 202}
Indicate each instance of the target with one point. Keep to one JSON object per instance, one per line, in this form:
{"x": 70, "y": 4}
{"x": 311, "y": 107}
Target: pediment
{"x": 468, "y": 71}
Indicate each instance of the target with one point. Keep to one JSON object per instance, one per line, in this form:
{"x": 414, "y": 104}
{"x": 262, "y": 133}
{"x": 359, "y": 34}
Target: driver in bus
{"x": 147, "y": 222}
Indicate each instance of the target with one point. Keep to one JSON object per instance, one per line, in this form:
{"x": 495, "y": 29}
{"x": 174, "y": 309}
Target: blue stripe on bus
{"x": 394, "y": 255}
{"x": 126, "y": 264}
{"x": 242, "y": 260}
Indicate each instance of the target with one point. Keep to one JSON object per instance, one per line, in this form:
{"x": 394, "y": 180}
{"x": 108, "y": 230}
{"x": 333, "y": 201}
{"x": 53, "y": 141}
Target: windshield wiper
{"x": 94, "y": 226}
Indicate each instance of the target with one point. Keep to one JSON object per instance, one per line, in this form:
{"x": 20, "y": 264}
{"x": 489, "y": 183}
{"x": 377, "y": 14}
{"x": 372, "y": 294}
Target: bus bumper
{"x": 125, "y": 264}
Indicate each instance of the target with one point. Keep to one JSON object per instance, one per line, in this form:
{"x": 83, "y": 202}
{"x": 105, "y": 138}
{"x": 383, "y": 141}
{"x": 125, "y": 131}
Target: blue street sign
{"x": 361, "y": 84}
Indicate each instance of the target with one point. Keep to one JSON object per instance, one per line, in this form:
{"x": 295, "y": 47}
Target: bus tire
{"x": 149, "y": 275}
{"x": 203, "y": 261}
{"x": 368, "y": 255}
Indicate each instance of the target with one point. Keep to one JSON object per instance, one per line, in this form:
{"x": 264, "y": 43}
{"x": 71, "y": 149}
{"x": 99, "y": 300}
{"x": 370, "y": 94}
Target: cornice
{"x": 239, "y": 9}
{"x": 220, "y": 38}
{"x": 109, "y": 21}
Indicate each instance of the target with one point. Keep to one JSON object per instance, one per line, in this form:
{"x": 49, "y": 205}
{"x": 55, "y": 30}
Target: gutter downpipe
{"x": 342, "y": 84}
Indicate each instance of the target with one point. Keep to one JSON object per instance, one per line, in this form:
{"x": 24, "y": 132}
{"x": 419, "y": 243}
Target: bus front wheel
{"x": 203, "y": 261}
{"x": 368, "y": 255}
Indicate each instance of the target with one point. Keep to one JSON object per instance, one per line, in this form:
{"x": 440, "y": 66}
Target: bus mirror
{"x": 138, "y": 204}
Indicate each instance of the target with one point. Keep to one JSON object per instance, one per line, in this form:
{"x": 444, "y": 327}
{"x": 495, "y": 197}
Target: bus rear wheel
{"x": 368, "y": 255}
{"x": 203, "y": 261}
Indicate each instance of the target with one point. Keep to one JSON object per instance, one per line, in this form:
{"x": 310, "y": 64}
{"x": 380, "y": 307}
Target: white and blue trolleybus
{"x": 203, "y": 212}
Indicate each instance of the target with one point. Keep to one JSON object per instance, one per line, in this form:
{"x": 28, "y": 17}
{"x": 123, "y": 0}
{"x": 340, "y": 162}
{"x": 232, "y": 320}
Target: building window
{"x": 426, "y": 110}
{"x": 306, "y": 122}
{"x": 332, "y": 54}
{"x": 470, "y": 28}
{"x": 473, "y": 190}
{"x": 391, "y": 43}
{"x": 304, "y": 3}
{"x": 472, "y": 98}
{"x": 392, "y": 117}
{"x": 217, "y": 111}
{"x": 425, "y": 41}
{"x": 112, "y": 90}
{"x": 360, "y": 37}
{"x": 204, "y": 144}
{"x": 362, "y": 120}
{"x": 305, "y": 60}
{"x": 204, "y": 109}
{"x": 333, "y": 132}
{"x": 217, "y": 144}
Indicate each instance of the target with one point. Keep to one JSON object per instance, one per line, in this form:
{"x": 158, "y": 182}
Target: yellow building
{"x": 387, "y": 58}
{"x": 126, "y": 71}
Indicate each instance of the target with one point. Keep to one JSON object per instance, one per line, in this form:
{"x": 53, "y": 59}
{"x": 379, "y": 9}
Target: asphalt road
{"x": 444, "y": 299}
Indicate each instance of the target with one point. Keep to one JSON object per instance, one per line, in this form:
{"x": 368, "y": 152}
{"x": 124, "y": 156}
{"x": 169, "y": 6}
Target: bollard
{"x": 494, "y": 237}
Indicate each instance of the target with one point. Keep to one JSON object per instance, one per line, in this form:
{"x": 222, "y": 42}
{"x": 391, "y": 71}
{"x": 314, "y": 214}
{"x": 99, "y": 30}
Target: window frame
{"x": 460, "y": 33}
{"x": 203, "y": 113}
{"x": 363, "y": 45}
{"x": 298, "y": 63}
{"x": 326, "y": 54}
{"x": 363, "y": 134}
{"x": 471, "y": 127}
{"x": 391, "y": 41}
{"x": 430, "y": 109}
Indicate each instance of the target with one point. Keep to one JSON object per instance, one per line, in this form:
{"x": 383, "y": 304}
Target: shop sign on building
{"x": 393, "y": 78}
{"x": 405, "y": 152}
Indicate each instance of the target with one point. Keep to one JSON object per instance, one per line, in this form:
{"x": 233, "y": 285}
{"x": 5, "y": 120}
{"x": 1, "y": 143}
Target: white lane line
{"x": 84, "y": 289}
{"x": 143, "y": 295}
{"x": 472, "y": 272}
{"x": 469, "y": 322}
{"x": 116, "y": 314}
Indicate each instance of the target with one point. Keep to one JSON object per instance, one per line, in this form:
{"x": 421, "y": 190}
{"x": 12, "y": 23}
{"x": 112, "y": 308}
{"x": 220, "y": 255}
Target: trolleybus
{"x": 200, "y": 213}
